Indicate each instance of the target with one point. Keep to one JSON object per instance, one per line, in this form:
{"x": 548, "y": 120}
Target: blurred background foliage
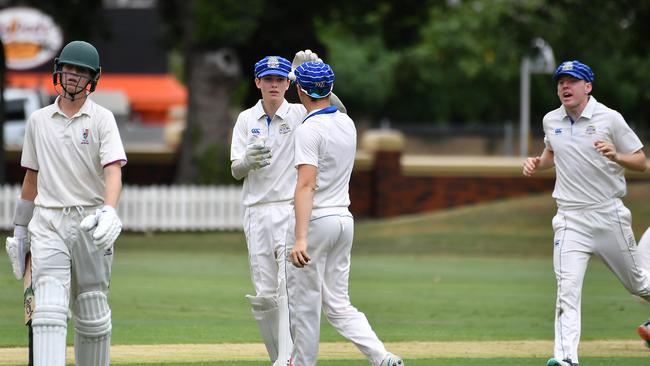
{"x": 441, "y": 61}
{"x": 428, "y": 62}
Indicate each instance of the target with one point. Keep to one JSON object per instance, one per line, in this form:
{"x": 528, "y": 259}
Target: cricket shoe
{"x": 392, "y": 360}
{"x": 555, "y": 362}
{"x": 644, "y": 332}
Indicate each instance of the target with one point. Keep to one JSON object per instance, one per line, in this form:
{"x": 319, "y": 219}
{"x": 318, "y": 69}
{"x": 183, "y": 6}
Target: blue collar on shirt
{"x": 330, "y": 109}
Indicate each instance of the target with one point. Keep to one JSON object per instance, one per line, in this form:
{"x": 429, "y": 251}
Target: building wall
{"x": 386, "y": 183}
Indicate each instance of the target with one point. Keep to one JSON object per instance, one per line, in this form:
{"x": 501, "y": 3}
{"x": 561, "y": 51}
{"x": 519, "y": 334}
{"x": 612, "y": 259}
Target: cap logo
{"x": 273, "y": 62}
{"x": 567, "y": 66}
{"x": 319, "y": 84}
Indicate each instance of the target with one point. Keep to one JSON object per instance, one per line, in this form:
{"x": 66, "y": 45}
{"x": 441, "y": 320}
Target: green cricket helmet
{"x": 80, "y": 54}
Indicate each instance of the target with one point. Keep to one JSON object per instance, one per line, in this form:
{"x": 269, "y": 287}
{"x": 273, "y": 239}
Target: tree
{"x": 220, "y": 42}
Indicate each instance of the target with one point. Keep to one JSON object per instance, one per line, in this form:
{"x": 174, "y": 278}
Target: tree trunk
{"x": 212, "y": 77}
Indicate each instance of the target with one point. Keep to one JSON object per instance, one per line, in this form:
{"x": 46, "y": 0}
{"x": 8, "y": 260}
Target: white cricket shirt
{"x": 328, "y": 141}
{"x": 584, "y": 177}
{"x": 275, "y": 182}
{"x": 69, "y": 154}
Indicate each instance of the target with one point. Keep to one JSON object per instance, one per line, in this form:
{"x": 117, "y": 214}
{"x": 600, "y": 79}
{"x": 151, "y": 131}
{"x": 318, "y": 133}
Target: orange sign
{"x": 30, "y": 37}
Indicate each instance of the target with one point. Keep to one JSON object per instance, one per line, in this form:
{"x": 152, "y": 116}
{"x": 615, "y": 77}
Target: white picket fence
{"x": 161, "y": 208}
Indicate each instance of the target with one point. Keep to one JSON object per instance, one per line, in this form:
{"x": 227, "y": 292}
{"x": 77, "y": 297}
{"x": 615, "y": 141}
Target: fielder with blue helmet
{"x": 321, "y": 240}
{"x": 590, "y": 146}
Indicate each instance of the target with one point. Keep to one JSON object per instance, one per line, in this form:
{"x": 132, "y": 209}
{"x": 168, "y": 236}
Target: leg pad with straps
{"x": 92, "y": 317}
{"x": 50, "y": 322}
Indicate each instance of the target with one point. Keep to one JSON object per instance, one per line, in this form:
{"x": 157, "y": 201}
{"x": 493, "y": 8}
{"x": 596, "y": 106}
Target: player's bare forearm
{"x": 113, "y": 180}
{"x": 636, "y": 161}
{"x": 303, "y": 199}
{"x": 29, "y": 189}
{"x": 542, "y": 162}
{"x": 546, "y": 160}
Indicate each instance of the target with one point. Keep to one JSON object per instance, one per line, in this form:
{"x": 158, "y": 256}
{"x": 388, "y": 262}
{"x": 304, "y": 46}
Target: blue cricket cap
{"x": 315, "y": 78}
{"x": 272, "y": 65}
{"x": 576, "y": 69}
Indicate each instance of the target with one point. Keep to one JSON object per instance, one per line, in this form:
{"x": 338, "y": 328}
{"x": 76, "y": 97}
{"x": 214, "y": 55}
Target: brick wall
{"x": 386, "y": 183}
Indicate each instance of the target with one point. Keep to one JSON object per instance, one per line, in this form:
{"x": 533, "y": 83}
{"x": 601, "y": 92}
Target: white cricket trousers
{"x": 604, "y": 230}
{"x": 265, "y": 226}
{"x": 69, "y": 269}
{"x": 323, "y": 283}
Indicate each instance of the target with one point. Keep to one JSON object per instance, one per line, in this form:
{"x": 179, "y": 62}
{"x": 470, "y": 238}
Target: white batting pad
{"x": 92, "y": 340}
{"x": 285, "y": 342}
{"x": 265, "y": 311}
{"x": 50, "y": 322}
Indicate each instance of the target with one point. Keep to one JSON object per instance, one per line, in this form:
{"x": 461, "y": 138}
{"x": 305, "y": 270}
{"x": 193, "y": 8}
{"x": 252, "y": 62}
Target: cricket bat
{"x": 28, "y": 301}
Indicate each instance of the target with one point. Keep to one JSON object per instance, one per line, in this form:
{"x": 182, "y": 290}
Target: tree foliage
{"x": 433, "y": 61}
{"x": 458, "y": 61}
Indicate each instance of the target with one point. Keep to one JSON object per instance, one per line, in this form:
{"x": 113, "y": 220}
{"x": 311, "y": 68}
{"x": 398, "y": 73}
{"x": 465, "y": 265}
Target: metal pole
{"x": 524, "y": 107}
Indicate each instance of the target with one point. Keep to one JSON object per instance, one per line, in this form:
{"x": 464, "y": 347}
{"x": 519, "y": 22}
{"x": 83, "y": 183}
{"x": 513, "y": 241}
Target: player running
{"x": 590, "y": 146}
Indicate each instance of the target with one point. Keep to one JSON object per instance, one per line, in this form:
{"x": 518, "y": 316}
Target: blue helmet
{"x": 576, "y": 69}
{"x": 315, "y": 78}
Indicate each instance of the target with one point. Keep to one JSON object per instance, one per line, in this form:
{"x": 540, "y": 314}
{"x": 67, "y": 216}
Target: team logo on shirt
{"x": 284, "y": 129}
{"x": 255, "y": 131}
{"x": 558, "y": 131}
{"x": 85, "y": 134}
{"x": 590, "y": 130}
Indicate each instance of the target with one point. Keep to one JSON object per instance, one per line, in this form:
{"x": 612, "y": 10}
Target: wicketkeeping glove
{"x": 106, "y": 224}
{"x": 300, "y": 58}
{"x": 17, "y": 248}
{"x": 257, "y": 155}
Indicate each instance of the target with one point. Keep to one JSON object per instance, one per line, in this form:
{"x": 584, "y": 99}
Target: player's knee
{"x": 51, "y": 298}
{"x": 92, "y": 314}
{"x": 341, "y": 311}
{"x": 263, "y": 303}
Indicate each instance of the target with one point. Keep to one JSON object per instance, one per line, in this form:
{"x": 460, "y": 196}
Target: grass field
{"x": 471, "y": 275}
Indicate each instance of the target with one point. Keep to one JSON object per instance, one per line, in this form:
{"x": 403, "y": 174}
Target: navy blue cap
{"x": 576, "y": 69}
{"x": 315, "y": 78}
{"x": 272, "y": 65}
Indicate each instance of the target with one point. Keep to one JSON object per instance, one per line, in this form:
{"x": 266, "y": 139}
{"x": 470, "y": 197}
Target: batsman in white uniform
{"x": 590, "y": 146}
{"x": 321, "y": 240}
{"x": 73, "y": 155}
{"x": 262, "y": 153}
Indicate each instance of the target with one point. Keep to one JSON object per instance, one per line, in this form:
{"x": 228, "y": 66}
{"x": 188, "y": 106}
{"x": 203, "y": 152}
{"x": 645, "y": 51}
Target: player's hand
{"x": 530, "y": 166}
{"x": 17, "y": 247}
{"x": 300, "y": 58}
{"x": 257, "y": 155}
{"x": 106, "y": 224}
{"x": 606, "y": 149}
{"x": 298, "y": 254}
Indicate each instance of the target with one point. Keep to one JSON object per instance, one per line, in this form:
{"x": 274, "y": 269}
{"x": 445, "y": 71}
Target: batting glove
{"x": 106, "y": 224}
{"x": 300, "y": 58}
{"x": 257, "y": 155}
{"x": 17, "y": 248}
